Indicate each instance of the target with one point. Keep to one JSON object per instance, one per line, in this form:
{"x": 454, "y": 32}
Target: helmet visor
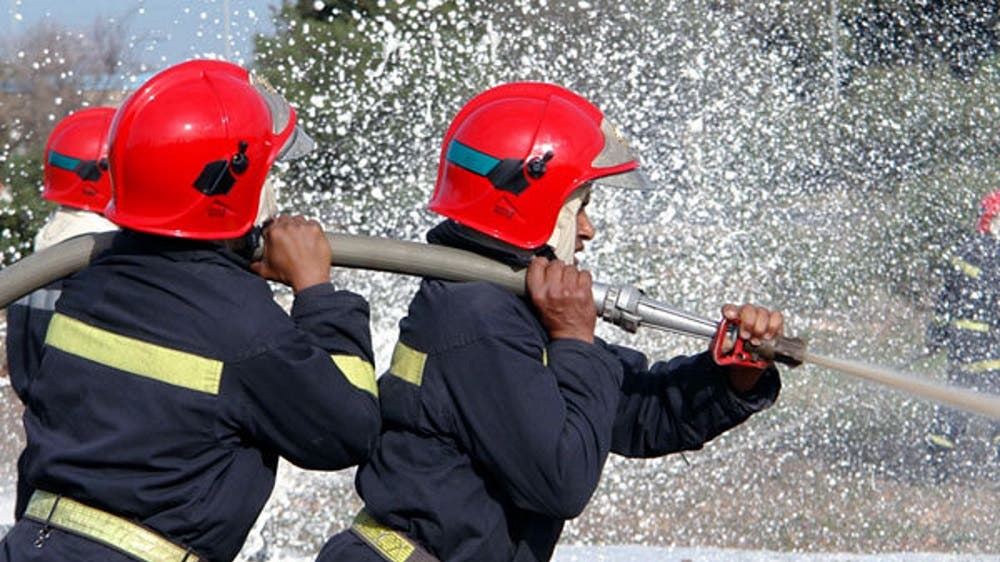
{"x": 299, "y": 143}
{"x": 616, "y": 151}
{"x": 615, "y": 154}
{"x": 632, "y": 179}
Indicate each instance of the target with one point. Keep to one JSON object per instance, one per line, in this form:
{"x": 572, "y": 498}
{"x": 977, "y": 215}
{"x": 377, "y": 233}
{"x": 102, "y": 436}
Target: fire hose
{"x": 624, "y": 306}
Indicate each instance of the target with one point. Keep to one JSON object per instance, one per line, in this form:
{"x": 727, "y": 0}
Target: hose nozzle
{"x": 785, "y": 350}
{"x": 628, "y": 308}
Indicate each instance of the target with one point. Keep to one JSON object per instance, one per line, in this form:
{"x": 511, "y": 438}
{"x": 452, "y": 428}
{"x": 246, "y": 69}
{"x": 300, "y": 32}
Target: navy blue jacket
{"x": 966, "y": 323}
{"x": 170, "y": 383}
{"x": 494, "y": 435}
{"x": 27, "y": 321}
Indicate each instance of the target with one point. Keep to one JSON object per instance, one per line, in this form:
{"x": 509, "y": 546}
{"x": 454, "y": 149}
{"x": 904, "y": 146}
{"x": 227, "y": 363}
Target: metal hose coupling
{"x": 629, "y": 308}
{"x": 619, "y": 305}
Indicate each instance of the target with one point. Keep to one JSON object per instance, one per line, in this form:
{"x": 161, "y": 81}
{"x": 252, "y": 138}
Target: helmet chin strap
{"x": 563, "y": 239}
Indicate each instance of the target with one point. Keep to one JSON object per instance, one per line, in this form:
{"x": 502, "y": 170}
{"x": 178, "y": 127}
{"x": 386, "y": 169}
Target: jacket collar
{"x": 175, "y": 249}
{"x": 454, "y": 235}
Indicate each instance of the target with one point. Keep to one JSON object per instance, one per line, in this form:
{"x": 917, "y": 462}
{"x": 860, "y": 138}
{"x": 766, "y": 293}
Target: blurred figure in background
{"x": 967, "y": 326}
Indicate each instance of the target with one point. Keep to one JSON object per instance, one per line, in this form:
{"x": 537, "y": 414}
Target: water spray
{"x": 624, "y": 306}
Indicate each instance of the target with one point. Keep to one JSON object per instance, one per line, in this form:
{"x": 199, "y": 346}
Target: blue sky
{"x": 163, "y": 31}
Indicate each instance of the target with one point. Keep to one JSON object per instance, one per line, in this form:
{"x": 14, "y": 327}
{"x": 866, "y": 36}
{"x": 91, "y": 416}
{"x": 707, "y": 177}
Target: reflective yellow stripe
{"x": 116, "y": 532}
{"x": 966, "y": 267}
{"x": 940, "y": 441}
{"x": 545, "y": 357}
{"x": 982, "y": 366}
{"x": 971, "y": 325}
{"x": 408, "y": 364}
{"x": 389, "y": 543}
{"x": 358, "y": 372}
{"x": 134, "y": 356}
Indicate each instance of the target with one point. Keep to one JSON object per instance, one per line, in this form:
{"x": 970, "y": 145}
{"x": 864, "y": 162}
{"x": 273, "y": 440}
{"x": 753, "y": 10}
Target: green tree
{"x": 46, "y": 73}
{"x": 22, "y": 210}
{"x": 373, "y": 82}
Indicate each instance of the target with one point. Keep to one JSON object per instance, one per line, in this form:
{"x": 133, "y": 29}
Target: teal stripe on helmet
{"x": 63, "y": 161}
{"x": 471, "y": 159}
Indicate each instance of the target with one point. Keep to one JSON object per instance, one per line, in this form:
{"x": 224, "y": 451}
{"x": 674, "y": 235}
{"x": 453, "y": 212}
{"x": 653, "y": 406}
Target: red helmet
{"x": 990, "y": 206}
{"x": 75, "y": 170}
{"x": 516, "y": 152}
{"x": 190, "y": 150}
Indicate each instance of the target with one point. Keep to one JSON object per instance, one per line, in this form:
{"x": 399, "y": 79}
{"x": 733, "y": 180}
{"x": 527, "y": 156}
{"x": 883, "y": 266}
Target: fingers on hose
{"x": 753, "y": 321}
{"x": 534, "y": 279}
{"x": 730, "y": 311}
{"x": 776, "y": 324}
{"x": 761, "y": 324}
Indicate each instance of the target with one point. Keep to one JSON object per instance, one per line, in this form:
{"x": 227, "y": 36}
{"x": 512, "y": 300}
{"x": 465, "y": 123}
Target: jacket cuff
{"x": 322, "y": 297}
{"x": 762, "y": 395}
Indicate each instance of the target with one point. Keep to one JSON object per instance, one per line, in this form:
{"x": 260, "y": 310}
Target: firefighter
{"x": 965, "y": 325}
{"x": 170, "y": 381}
{"x": 73, "y": 178}
{"x": 499, "y": 411}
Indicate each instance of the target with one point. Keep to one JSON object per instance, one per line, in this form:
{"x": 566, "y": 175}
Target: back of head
{"x": 515, "y": 153}
{"x": 75, "y": 160}
{"x": 191, "y": 148}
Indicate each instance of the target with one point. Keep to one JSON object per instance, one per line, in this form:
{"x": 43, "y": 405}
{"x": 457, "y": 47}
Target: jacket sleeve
{"x": 311, "y": 397}
{"x": 537, "y": 419}
{"x": 681, "y": 404}
{"x": 27, "y": 322}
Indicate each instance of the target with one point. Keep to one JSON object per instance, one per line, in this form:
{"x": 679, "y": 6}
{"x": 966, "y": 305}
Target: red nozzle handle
{"x": 738, "y": 355}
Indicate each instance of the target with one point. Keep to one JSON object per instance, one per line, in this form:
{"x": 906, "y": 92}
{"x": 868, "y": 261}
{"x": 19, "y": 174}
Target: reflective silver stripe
{"x": 42, "y": 299}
